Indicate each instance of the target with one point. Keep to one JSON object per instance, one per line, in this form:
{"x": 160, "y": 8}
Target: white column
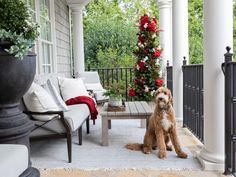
{"x": 218, "y": 33}
{"x": 78, "y": 38}
{"x": 165, "y": 18}
{"x": 180, "y": 49}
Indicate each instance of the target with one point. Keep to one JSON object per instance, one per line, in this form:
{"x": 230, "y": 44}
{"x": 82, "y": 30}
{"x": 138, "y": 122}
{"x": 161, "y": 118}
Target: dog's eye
{"x": 165, "y": 93}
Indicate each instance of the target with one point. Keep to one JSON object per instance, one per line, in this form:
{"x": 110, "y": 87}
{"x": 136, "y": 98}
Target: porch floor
{"x": 93, "y": 160}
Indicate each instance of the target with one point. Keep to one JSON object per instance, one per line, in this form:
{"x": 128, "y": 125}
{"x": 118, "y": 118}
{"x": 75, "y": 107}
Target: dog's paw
{"x": 162, "y": 154}
{"x": 169, "y": 148}
{"x": 183, "y": 155}
{"x": 129, "y": 146}
{"x": 147, "y": 150}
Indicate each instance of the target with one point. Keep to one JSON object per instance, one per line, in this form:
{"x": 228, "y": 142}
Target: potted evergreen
{"x": 115, "y": 92}
{"x": 18, "y": 33}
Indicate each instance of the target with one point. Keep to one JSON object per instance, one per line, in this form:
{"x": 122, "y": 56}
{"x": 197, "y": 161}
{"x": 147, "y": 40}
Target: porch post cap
{"x": 77, "y": 5}
{"x": 164, "y": 3}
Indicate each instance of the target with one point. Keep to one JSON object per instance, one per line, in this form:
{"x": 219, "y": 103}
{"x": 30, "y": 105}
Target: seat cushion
{"x": 76, "y": 115}
{"x": 14, "y": 160}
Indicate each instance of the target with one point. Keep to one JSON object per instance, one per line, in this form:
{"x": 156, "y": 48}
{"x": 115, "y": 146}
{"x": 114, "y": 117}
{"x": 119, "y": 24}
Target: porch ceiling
{"x": 82, "y": 2}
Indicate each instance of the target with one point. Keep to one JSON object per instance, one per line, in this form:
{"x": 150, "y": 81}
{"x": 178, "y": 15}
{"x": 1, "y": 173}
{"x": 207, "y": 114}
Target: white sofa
{"x": 13, "y": 160}
{"x": 64, "y": 122}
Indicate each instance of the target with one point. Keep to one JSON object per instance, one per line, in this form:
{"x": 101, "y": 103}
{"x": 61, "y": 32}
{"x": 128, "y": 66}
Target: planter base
{"x": 30, "y": 172}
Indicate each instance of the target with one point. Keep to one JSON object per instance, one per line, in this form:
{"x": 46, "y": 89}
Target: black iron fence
{"x": 229, "y": 69}
{"x": 169, "y": 79}
{"x": 193, "y": 99}
{"x": 120, "y": 74}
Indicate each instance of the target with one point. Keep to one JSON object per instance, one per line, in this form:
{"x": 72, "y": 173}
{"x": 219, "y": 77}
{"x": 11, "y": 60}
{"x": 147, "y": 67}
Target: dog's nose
{"x": 160, "y": 99}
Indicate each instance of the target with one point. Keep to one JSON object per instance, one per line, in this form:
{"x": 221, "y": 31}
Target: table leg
{"x": 104, "y": 130}
{"x": 109, "y": 124}
{"x": 143, "y": 123}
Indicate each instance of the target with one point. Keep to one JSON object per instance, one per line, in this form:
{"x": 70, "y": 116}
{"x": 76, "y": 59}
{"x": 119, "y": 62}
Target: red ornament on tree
{"x": 152, "y": 26}
{"x": 157, "y": 53}
{"x": 141, "y": 65}
{"x": 159, "y": 82}
{"x": 132, "y": 92}
{"x": 140, "y": 39}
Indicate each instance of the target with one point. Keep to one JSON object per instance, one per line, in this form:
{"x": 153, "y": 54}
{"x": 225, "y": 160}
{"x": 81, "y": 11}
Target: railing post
{"x": 184, "y": 61}
{"x": 184, "y": 92}
{"x": 168, "y": 64}
{"x": 228, "y": 56}
{"x": 227, "y": 69}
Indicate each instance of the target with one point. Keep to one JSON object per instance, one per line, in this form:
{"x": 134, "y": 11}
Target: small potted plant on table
{"x": 115, "y": 92}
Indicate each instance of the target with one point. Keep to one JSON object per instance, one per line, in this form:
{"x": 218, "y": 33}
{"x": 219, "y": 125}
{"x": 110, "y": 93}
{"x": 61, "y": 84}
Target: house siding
{"x": 63, "y": 45}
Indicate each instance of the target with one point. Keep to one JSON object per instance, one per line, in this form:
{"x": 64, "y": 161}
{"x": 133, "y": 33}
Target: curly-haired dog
{"x": 161, "y": 128}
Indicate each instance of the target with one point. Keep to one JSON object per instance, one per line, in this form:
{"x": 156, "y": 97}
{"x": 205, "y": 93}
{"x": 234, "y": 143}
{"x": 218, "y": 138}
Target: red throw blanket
{"x": 85, "y": 100}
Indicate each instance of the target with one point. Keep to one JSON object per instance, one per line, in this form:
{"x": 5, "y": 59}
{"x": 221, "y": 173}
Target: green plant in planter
{"x": 116, "y": 90}
{"x": 17, "y": 27}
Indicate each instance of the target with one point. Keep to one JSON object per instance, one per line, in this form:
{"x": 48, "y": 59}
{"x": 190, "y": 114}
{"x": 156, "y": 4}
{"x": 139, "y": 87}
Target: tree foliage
{"x": 195, "y": 12}
{"x": 110, "y": 31}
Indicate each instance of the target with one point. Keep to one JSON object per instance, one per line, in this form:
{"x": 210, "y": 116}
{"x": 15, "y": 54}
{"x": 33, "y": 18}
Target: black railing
{"x": 193, "y": 99}
{"x": 229, "y": 69}
{"x": 169, "y": 74}
{"x": 120, "y": 74}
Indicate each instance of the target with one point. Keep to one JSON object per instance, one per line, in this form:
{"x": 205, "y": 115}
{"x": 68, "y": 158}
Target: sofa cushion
{"x": 76, "y": 115}
{"x": 37, "y": 99}
{"x": 14, "y": 160}
{"x": 56, "y": 95}
{"x": 71, "y": 88}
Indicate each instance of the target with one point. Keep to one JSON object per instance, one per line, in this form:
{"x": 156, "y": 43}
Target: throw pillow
{"x": 37, "y": 99}
{"x": 56, "y": 96}
{"x": 71, "y": 88}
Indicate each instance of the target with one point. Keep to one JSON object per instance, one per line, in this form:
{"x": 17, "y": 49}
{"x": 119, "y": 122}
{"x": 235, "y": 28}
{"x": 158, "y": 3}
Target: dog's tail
{"x": 134, "y": 146}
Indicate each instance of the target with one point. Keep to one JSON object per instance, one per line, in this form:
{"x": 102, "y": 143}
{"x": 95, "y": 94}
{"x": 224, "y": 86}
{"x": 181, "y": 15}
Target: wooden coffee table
{"x": 133, "y": 110}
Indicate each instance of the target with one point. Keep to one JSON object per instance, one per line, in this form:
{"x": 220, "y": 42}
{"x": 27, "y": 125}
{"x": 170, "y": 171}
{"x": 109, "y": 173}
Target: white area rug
{"x": 52, "y": 153}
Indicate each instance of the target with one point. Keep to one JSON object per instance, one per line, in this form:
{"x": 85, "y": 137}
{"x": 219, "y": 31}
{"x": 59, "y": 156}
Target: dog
{"x": 161, "y": 128}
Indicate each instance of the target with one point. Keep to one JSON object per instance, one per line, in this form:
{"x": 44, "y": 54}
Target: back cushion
{"x": 71, "y": 88}
{"x": 56, "y": 95}
{"x": 37, "y": 99}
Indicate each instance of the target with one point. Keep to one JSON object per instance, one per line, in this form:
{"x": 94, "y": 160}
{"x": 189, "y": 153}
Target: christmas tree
{"x": 147, "y": 68}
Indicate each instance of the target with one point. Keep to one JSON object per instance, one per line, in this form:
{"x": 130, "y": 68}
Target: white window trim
{"x": 53, "y": 60}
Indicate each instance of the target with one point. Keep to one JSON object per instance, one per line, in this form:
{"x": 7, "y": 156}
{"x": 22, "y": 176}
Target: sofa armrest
{"x": 60, "y": 113}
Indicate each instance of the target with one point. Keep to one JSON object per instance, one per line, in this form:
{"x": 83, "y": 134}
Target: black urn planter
{"x": 16, "y": 77}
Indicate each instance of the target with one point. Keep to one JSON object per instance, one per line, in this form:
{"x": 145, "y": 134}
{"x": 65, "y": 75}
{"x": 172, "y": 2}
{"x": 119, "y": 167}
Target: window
{"x": 43, "y": 13}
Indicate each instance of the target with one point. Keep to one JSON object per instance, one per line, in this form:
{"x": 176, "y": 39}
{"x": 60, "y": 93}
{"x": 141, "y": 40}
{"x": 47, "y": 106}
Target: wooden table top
{"x": 132, "y": 108}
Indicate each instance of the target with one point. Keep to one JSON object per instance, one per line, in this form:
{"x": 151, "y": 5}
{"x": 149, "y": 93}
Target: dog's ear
{"x": 170, "y": 98}
{"x": 155, "y": 93}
